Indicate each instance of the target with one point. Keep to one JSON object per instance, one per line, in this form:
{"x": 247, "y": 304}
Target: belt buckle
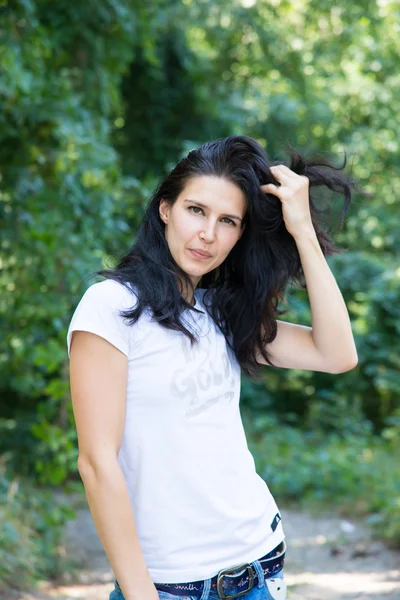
{"x": 224, "y": 572}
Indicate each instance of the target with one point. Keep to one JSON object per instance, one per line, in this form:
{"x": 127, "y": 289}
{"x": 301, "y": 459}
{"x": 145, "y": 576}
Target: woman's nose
{"x": 208, "y": 232}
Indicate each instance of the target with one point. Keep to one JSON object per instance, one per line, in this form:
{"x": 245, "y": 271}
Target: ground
{"x": 328, "y": 558}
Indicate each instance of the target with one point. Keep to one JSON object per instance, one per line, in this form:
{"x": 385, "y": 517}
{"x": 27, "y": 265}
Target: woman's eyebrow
{"x": 204, "y": 206}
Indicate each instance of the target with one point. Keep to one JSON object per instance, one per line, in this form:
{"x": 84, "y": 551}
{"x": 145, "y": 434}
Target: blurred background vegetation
{"x": 98, "y": 100}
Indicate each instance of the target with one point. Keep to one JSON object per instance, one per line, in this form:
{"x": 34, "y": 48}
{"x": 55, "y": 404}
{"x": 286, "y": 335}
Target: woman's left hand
{"x": 294, "y": 196}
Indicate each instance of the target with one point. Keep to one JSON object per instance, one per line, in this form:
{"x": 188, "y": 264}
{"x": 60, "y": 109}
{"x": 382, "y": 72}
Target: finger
{"x": 270, "y": 188}
{"x": 279, "y": 174}
{"x": 288, "y": 172}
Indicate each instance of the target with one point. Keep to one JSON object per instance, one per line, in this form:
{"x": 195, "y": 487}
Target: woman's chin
{"x": 194, "y": 274}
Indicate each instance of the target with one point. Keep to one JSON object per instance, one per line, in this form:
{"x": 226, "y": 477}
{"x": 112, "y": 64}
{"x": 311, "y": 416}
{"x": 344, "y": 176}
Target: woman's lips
{"x": 198, "y": 255}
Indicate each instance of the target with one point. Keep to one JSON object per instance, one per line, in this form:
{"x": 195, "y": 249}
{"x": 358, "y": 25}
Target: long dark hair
{"x": 244, "y": 292}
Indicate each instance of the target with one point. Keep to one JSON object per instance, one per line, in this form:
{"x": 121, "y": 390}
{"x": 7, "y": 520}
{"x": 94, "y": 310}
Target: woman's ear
{"x": 164, "y": 210}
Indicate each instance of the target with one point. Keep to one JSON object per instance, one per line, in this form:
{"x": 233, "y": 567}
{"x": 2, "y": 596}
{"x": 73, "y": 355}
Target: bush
{"x": 32, "y": 524}
{"x": 356, "y": 473}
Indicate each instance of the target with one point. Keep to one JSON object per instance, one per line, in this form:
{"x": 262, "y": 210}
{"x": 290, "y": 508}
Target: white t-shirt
{"x": 198, "y": 502}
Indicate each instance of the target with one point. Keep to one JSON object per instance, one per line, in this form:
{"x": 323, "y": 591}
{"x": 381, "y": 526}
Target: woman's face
{"x": 207, "y": 217}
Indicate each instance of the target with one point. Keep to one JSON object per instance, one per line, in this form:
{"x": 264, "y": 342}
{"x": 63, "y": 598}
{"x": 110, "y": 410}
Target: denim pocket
{"x": 276, "y": 587}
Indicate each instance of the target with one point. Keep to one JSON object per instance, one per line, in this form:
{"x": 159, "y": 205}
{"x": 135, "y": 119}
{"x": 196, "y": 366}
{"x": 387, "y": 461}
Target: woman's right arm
{"x": 98, "y": 380}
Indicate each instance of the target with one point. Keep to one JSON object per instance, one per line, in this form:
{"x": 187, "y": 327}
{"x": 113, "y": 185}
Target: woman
{"x": 155, "y": 363}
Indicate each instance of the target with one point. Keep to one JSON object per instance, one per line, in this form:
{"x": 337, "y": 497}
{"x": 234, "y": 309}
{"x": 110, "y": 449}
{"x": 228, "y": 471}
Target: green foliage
{"x": 76, "y": 138}
{"x": 31, "y": 529}
{"x": 356, "y": 474}
{"x": 371, "y": 289}
{"x": 61, "y": 207}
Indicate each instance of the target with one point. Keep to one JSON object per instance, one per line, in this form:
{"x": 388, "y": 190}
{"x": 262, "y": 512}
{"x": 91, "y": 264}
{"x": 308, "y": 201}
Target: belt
{"x": 232, "y": 578}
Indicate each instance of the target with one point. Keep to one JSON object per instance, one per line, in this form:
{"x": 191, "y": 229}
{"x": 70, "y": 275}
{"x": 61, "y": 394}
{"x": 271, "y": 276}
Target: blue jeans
{"x": 273, "y": 588}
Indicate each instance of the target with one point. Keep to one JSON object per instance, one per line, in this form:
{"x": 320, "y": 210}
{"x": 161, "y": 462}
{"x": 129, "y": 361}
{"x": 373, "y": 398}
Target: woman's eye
{"x": 230, "y": 221}
{"x": 195, "y": 208}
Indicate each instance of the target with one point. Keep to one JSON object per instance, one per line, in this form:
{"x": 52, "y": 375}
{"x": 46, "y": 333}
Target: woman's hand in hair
{"x": 293, "y": 192}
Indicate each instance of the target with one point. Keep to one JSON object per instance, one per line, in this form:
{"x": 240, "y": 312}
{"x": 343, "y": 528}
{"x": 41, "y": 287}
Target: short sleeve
{"x": 98, "y": 312}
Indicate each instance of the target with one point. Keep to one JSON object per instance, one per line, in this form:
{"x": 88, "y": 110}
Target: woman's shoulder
{"x": 113, "y": 293}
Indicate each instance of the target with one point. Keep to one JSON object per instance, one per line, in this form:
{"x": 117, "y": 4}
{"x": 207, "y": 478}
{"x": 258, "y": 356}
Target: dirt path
{"x": 328, "y": 558}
